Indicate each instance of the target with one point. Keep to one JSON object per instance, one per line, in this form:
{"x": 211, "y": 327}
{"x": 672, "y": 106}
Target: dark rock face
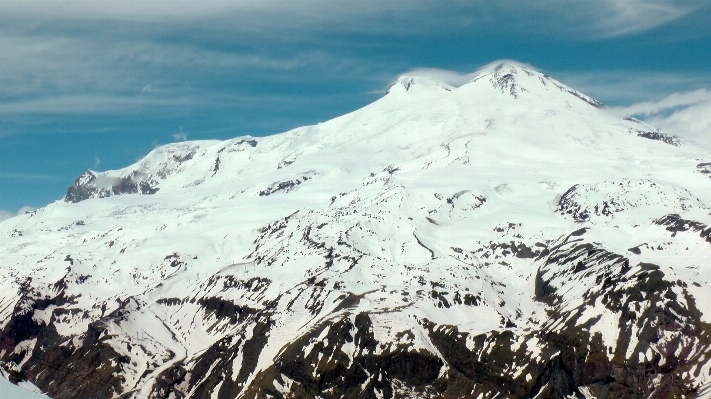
{"x": 342, "y": 358}
{"x": 85, "y": 187}
{"x": 651, "y": 315}
{"x": 664, "y": 138}
{"x": 675, "y": 224}
{"x": 90, "y": 370}
{"x": 329, "y": 370}
{"x": 214, "y": 370}
{"x": 572, "y": 358}
{"x": 505, "y": 83}
{"x": 704, "y": 168}
{"x": 595, "y": 103}
{"x": 570, "y": 204}
{"x": 284, "y": 186}
{"x": 659, "y": 337}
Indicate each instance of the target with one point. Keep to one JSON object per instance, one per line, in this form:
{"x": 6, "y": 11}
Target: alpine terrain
{"x": 509, "y": 237}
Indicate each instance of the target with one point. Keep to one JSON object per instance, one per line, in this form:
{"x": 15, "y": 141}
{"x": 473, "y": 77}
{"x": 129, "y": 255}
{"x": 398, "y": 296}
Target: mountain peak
{"x": 515, "y": 78}
{"x": 506, "y": 76}
{"x": 505, "y": 64}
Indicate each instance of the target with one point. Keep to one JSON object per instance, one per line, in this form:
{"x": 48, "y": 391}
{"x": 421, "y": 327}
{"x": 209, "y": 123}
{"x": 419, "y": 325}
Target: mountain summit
{"x": 494, "y": 235}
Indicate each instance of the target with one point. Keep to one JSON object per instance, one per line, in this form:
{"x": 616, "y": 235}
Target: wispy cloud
{"x": 87, "y": 104}
{"x": 681, "y": 102}
{"x": 126, "y": 47}
{"x": 693, "y": 122}
{"x": 4, "y": 215}
{"x": 128, "y": 56}
{"x": 624, "y": 87}
{"x": 51, "y": 73}
{"x": 180, "y": 135}
{"x": 671, "y": 103}
{"x": 25, "y": 209}
{"x": 618, "y": 18}
{"x": 604, "y": 17}
{"x": 685, "y": 114}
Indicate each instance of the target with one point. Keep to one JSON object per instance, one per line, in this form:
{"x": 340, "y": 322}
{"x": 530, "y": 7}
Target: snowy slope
{"x": 507, "y": 236}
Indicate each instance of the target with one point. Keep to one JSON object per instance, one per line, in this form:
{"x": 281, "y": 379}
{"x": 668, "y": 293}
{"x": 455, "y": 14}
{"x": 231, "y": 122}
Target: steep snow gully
{"x": 505, "y": 238}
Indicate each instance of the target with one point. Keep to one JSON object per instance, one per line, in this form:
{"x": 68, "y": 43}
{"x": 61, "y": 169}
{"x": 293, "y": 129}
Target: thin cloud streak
{"x": 672, "y": 102}
{"x": 37, "y": 65}
{"x": 28, "y": 176}
{"x": 632, "y": 16}
{"x": 604, "y": 18}
{"x": 90, "y": 104}
{"x": 130, "y": 105}
{"x": 75, "y": 75}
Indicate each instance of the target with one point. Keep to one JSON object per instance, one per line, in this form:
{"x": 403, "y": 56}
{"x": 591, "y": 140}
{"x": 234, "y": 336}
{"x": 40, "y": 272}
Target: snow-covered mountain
{"x": 506, "y": 238}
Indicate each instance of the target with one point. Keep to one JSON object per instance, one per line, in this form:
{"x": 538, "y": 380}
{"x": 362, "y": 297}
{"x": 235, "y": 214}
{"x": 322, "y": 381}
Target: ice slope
{"x": 511, "y": 219}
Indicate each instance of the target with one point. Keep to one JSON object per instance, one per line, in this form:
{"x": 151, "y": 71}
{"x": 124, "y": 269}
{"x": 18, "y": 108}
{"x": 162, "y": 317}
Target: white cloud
{"x": 584, "y": 19}
{"x": 26, "y": 209}
{"x": 60, "y": 73}
{"x": 618, "y": 87}
{"x": 671, "y": 103}
{"x": 96, "y": 57}
{"x": 180, "y": 136}
{"x": 693, "y": 122}
{"x": 80, "y": 56}
{"x": 97, "y": 161}
{"x": 4, "y": 215}
{"x": 618, "y": 18}
{"x": 686, "y": 114}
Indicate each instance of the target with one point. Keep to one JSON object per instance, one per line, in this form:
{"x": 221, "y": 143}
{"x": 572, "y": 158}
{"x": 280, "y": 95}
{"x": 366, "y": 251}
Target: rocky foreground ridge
{"x": 507, "y": 238}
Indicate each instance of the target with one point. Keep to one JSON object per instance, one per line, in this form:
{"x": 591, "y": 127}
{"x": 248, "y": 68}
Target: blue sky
{"x": 97, "y": 85}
